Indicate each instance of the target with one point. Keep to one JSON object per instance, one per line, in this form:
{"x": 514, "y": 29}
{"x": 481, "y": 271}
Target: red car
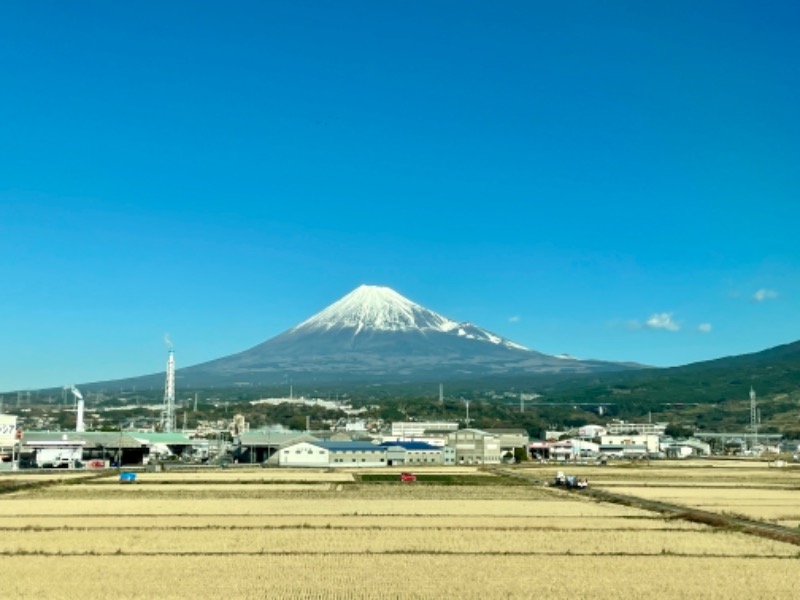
{"x": 408, "y": 477}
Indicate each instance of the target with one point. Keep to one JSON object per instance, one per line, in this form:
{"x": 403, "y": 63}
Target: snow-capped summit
{"x": 373, "y": 334}
{"x": 372, "y": 309}
{"x": 377, "y": 308}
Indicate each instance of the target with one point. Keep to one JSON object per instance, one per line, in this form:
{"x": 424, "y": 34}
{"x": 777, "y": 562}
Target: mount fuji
{"x": 373, "y": 334}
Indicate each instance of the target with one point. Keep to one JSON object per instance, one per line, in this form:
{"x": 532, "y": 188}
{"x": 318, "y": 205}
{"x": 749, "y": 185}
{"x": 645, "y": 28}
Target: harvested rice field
{"x": 753, "y": 489}
{"x": 322, "y": 535}
{"x": 776, "y": 506}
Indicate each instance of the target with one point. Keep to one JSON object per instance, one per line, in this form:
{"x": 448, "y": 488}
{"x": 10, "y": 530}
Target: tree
{"x": 678, "y": 431}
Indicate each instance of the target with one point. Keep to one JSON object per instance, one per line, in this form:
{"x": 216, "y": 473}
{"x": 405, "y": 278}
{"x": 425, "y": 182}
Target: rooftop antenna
{"x": 466, "y": 421}
{"x": 441, "y": 394}
{"x": 168, "y": 413}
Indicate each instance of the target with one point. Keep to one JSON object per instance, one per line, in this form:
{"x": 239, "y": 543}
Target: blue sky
{"x": 610, "y": 180}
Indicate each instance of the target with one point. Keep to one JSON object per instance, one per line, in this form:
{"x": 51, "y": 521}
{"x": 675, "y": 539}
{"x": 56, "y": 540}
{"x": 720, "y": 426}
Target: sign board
{"x": 8, "y": 430}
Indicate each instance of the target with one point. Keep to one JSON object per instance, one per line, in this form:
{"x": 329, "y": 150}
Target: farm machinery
{"x": 570, "y": 481}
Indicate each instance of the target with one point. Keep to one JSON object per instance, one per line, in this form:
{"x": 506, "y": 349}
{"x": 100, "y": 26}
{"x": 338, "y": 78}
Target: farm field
{"x": 323, "y": 535}
{"x": 753, "y": 489}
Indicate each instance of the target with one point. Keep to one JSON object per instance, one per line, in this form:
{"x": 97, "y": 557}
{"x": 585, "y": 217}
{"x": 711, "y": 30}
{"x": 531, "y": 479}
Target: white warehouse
{"x": 332, "y": 454}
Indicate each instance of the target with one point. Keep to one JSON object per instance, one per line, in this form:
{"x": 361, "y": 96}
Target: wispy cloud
{"x": 514, "y": 319}
{"x": 764, "y": 294}
{"x": 662, "y": 321}
{"x": 704, "y": 328}
{"x": 633, "y": 324}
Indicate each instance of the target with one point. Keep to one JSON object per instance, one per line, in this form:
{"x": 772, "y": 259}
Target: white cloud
{"x": 704, "y": 328}
{"x": 764, "y": 294}
{"x": 514, "y": 319}
{"x": 662, "y": 321}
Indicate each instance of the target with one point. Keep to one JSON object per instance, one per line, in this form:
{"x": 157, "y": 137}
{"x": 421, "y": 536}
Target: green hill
{"x": 709, "y": 394}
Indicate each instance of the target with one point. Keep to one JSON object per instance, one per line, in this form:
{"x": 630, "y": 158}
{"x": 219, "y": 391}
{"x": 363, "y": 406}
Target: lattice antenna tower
{"x": 168, "y": 413}
{"x": 755, "y": 417}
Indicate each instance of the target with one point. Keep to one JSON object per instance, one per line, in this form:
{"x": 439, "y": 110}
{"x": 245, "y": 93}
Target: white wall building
{"x": 649, "y": 441}
{"x": 332, "y": 454}
{"x": 407, "y": 430}
{"x": 304, "y": 454}
{"x": 623, "y": 427}
{"x": 57, "y": 453}
{"x": 475, "y": 447}
{"x": 589, "y": 432}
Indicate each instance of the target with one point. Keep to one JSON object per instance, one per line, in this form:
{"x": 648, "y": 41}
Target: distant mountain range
{"x": 711, "y": 395}
{"x": 373, "y": 334}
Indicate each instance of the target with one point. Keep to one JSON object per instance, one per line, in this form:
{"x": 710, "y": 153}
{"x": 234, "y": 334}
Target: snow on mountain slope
{"x": 372, "y": 309}
{"x": 373, "y": 335}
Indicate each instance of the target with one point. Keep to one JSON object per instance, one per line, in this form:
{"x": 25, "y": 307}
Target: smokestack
{"x": 79, "y": 426}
